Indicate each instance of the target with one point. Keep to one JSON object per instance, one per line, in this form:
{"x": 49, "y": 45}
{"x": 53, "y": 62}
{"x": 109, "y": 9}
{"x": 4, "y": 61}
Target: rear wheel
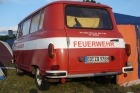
{"x": 40, "y": 81}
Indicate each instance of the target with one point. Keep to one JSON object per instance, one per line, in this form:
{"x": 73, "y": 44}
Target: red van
{"x": 69, "y": 39}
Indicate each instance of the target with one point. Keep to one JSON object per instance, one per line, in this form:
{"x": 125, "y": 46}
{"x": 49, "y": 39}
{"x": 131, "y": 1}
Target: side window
{"x": 35, "y": 23}
{"x": 19, "y": 32}
{"x": 26, "y": 26}
{"x": 41, "y": 19}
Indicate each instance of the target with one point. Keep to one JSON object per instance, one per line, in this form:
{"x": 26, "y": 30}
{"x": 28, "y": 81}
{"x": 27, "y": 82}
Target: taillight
{"x": 128, "y": 49}
{"x": 51, "y": 50}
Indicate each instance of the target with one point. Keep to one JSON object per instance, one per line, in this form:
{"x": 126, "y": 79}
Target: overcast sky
{"x": 13, "y": 11}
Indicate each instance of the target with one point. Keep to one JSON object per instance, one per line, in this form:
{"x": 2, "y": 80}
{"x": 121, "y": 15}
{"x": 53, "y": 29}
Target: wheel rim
{"x": 38, "y": 77}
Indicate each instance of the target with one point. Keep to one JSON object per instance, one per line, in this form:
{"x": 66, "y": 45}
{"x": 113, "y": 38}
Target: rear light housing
{"x": 51, "y": 51}
{"x": 128, "y": 49}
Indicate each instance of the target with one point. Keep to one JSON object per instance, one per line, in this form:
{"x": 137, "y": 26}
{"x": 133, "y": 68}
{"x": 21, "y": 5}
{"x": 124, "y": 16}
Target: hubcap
{"x": 38, "y": 77}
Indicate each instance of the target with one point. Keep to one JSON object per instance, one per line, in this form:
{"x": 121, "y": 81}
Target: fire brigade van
{"x": 70, "y": 39}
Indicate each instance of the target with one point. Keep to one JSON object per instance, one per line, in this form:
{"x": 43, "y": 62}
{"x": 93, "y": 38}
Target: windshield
{"x": 87, "y": 17}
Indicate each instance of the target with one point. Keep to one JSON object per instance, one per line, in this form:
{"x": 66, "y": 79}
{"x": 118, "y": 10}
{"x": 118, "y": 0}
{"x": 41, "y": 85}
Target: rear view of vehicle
{"x": 96, "y": 48}
{"x": 95, "y": 45}
{"x": 80, "y": 39}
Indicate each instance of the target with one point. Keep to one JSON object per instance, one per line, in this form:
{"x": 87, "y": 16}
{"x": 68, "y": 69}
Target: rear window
{"x": 87, "y": 17}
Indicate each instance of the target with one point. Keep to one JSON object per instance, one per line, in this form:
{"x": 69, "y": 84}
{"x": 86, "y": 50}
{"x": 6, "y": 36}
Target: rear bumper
{"x": 127, "y": 69}
{"x": 64, "y": 74}
{"x": 56, "y": 74}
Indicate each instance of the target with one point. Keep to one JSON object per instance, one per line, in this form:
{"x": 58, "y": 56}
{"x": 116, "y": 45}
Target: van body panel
{"x": 89, "y": 46}
{"x": 56, "y": 21}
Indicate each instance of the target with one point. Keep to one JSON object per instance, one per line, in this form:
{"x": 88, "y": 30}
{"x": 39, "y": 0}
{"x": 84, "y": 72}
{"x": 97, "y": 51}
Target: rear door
{"x": 94, "y": 45}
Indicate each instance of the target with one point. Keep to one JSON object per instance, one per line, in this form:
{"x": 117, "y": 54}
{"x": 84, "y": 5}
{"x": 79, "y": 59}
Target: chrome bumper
{"x": 64, "y": 74}
{"x": 127, "y": 69}
{"x": 56, "y": 74}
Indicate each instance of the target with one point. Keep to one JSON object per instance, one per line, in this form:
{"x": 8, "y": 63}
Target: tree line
{"x": 5, "y": 37}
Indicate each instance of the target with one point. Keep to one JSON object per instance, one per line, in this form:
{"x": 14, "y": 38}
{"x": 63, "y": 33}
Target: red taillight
{"x": 51, "y": 50}
{"x": 54, "y": 67}
{"x": 128, "y": 49}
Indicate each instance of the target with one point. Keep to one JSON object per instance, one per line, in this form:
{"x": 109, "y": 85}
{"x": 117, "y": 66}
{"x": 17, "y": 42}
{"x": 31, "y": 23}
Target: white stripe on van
{"x": 61, "y": 42}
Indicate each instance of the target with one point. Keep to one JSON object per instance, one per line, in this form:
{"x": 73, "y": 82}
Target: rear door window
{"x": 87, "y": 17}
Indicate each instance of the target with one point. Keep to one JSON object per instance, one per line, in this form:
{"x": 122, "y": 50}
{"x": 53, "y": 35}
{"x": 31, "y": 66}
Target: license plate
{"x": 96, "y": 59}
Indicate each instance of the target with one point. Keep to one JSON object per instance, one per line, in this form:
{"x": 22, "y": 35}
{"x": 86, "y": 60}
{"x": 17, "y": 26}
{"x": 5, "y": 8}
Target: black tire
{"x": 40, "y": 81}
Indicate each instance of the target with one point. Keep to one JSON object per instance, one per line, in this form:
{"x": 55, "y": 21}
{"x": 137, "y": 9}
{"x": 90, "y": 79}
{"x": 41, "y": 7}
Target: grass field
{"x": 26, "y": 84}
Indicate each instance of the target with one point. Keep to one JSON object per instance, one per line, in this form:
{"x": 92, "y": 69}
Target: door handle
{"x": 68, "y": 41}
{"x": 116, "y": 40}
